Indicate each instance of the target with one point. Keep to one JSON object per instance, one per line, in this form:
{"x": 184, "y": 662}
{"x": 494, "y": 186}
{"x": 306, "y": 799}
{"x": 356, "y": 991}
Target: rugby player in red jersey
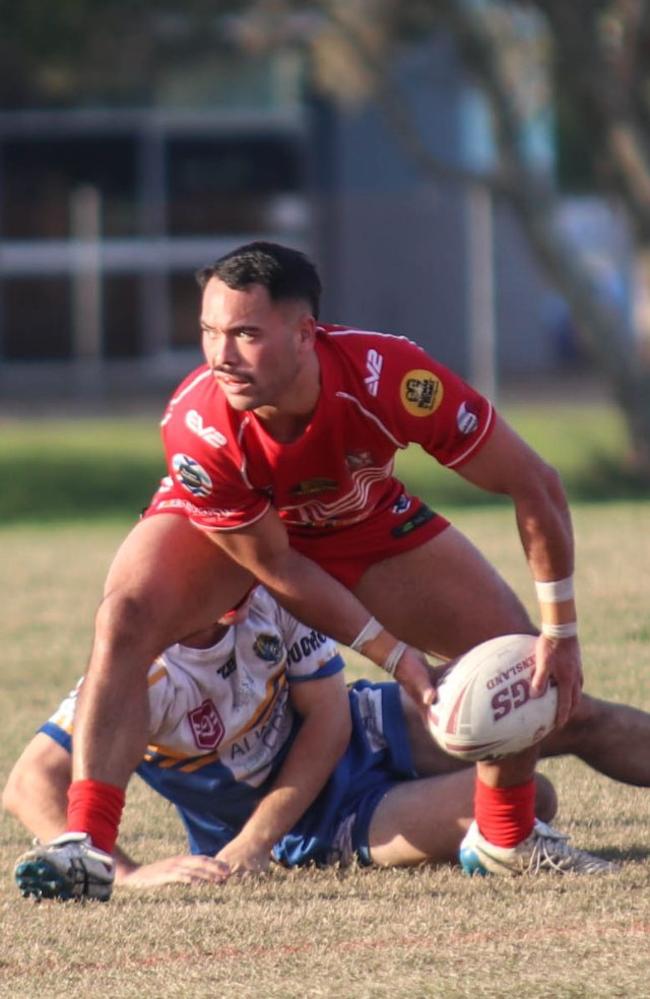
{"x": 280, "y": 457}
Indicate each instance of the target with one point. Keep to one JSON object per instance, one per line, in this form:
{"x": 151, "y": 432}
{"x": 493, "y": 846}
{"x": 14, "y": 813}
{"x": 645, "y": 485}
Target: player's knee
{"x": 581, "y": 728}
{"x": 545, "y": 799}
{"x": 124, "y": 621}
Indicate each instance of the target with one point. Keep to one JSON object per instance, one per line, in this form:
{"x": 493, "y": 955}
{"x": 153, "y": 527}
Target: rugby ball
{"x": 484, "y": 709}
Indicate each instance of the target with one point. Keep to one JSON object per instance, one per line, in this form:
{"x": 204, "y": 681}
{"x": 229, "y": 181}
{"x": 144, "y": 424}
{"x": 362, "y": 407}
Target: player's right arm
{"x": 317, "y": 599}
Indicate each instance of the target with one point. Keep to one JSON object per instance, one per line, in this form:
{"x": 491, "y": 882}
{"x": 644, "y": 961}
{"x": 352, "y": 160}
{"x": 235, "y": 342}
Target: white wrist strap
{"x": 370, "y": 630}
{"x": 556, "y": 591}
{"x": 567, "y": 630}
{"x": 392, "y": 659}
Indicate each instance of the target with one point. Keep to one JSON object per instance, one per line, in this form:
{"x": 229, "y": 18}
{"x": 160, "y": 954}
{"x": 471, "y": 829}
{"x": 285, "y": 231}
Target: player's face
{"x": 255, "y": 347}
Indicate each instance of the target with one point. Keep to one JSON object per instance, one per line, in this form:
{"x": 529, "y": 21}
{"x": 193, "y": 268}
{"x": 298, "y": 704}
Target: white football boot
{"x": 544, "y": 850}
{"x": 66, "y": 867}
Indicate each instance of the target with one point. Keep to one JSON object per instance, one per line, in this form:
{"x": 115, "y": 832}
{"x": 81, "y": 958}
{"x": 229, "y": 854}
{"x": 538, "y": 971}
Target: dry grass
{"x": 329, "y": 933}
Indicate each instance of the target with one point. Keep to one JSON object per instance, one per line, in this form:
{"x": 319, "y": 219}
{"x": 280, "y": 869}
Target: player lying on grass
{"x": 257, "y": 741}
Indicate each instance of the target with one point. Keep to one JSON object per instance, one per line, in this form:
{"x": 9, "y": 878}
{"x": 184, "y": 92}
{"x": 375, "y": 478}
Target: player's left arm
{"x": 317, "y": 748}
{"x": 506, "y": 464}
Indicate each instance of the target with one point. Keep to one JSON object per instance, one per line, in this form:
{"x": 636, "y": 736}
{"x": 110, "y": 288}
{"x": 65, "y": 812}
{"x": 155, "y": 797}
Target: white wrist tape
{"x": 567, "y": 630}
{"x": 556, "y": 591}
{"x": 370, "y": 630}
{"x": 393, "y": 658}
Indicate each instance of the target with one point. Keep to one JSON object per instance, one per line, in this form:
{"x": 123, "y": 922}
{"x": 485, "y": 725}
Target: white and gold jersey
{"x": 229, "y": 704}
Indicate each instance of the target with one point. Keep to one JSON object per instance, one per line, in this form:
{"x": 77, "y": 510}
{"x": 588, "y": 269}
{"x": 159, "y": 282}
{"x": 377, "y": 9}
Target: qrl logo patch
{"x": 191, "y": 475}
{"x": 421, "y": 392}
{"x": 206, "y": 724}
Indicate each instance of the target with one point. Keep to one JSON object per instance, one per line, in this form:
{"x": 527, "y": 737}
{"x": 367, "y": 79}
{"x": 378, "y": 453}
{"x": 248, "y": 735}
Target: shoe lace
{"x": 551, "y": 849}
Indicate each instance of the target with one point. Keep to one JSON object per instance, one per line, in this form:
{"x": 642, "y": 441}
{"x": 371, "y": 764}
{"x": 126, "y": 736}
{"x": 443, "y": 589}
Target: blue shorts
{"x": 335, "y": 827}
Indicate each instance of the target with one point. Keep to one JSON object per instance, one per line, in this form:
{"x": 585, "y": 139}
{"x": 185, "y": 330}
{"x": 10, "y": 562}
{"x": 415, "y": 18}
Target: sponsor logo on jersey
{"x": 306, "y": 646}
{"x": 228, "y": 668}
{"x": 466, "y": 420}
{"x": 374, "y": 364}
{"x": 402, "y": 504}
{"x": 177, "y": 503}
{"x": 206, "y": 724}
{"x": 212, "y": 436}
{"x": 309, "y": 486}
{"x": 421, "y": 392}
{"x": 267, "y": 738}
{"x": 268, "y": 648}
{"x": 421, "y": 516}
{"x": 358, "y": 459}
{"x": 191, "y": 475}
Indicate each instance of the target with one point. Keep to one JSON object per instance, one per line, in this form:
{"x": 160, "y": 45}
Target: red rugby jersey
{"x": 378, "y": 393}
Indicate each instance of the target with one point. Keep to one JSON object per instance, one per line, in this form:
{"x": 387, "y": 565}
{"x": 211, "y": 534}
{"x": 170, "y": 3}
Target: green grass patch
{"x": 70, "y": 470}
{"x": 335, "y": 934}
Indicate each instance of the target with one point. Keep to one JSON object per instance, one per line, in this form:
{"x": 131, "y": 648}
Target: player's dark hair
{"x": 284, "y": 272}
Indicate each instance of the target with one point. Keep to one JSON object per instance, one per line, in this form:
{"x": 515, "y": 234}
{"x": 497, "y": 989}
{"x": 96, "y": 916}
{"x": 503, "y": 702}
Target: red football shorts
{"x": 347, "y": 552}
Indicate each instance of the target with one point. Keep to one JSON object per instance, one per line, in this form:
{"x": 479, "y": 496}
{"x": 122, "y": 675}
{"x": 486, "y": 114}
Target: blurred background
{"x": 471, "y": 173}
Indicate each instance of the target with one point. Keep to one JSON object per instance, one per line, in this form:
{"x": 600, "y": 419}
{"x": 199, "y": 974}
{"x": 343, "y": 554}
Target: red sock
{"x": 95, "y": 808}
{"x": 505, "y": 815}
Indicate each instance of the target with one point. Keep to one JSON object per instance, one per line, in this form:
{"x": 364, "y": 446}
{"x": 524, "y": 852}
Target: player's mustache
{"x": 230, "y": 373}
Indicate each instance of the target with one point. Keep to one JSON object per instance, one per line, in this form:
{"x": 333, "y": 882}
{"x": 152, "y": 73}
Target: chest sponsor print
{"x": 359, "y": 459}
{"x": 310, "y": 486}
{"x": 306, "y": 646}
{"x": 421, "y": 392}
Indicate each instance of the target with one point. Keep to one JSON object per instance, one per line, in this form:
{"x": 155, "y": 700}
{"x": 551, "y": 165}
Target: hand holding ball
{"x": 485, "y": 709}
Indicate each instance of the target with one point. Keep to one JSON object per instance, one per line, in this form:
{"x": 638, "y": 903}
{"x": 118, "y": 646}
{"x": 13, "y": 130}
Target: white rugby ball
{"x": 484, "y": 709}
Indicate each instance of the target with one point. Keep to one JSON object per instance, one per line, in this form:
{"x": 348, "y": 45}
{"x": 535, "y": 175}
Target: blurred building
{"x": 105, "y": 214}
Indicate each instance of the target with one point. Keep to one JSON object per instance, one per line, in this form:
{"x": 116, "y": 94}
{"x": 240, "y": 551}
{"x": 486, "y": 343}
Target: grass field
{"x": 329, "y": 934}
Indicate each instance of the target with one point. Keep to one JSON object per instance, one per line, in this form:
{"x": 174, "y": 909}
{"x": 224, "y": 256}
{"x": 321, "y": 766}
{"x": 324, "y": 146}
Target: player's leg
{"x": 166, "y": 581}
{"x": 612, "y": 738}
{"x": 443, "y": 596}
{"x": 426, "y": 819}
{"x": 35, "y": 792}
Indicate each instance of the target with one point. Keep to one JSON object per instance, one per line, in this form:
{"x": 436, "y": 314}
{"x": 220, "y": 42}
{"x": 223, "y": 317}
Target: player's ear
{"x": 307, "y": 329}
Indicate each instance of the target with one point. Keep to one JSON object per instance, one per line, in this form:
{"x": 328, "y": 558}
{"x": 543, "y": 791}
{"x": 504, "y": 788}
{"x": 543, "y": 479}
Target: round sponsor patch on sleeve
{"x": 421, "y": 392}
{"x": 192, "y": 476}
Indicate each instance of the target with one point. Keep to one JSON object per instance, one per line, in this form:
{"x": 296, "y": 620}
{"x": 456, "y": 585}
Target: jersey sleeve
{"x": 310, "y": 655}
{"x": 206, "y": 472}
{"x": 426, "y": 403}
